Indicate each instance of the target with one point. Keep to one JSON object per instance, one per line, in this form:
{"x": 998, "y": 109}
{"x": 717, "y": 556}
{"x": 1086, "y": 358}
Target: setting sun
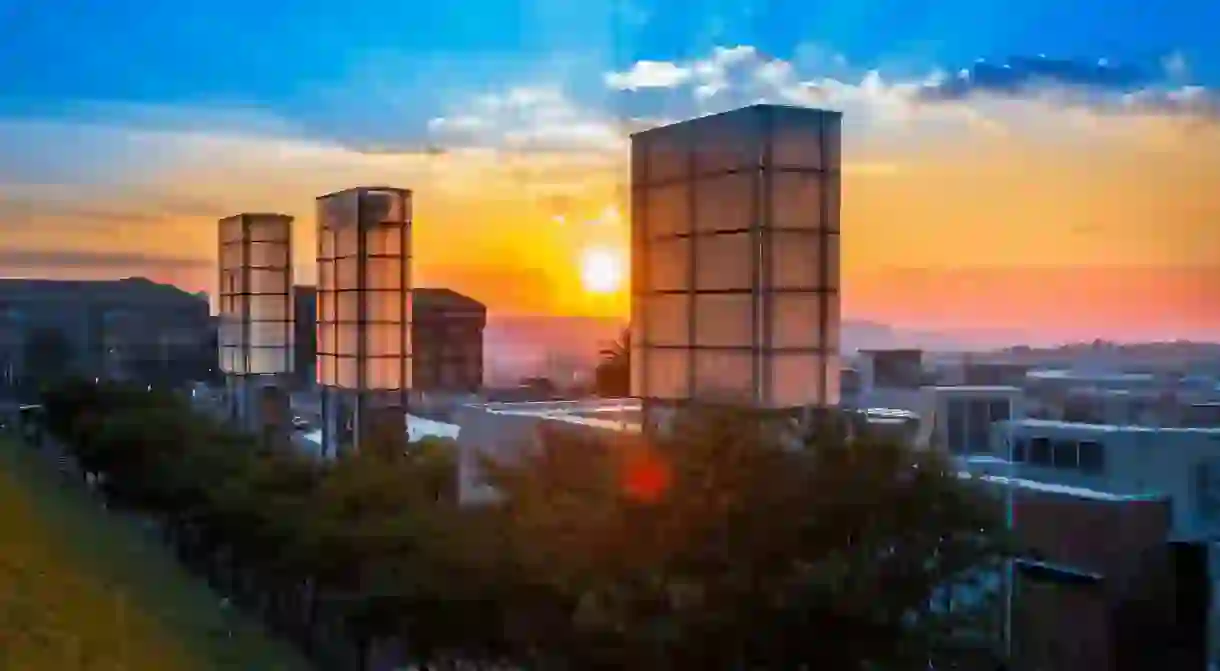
{"x": 601, "y": 270}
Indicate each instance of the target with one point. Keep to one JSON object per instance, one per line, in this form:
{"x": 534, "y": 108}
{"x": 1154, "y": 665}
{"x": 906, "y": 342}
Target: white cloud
{"x": 648, "y": 75}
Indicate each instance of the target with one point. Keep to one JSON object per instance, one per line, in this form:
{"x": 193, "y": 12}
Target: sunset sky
{"x": 1039, "y": 165}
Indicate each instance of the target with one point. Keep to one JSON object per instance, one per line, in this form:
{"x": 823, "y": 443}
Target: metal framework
{"x": 256, "y": 317}
{"x": 364, "y": 309}
{"x": 735, "y": 260}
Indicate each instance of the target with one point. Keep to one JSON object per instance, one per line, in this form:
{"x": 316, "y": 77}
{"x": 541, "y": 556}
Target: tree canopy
{"x": 727, "y": 545}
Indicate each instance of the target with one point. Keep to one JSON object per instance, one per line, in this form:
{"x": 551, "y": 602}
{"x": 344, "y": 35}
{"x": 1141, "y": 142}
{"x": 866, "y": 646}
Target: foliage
{"x": 728, "y": 545}
{"x": 613, "y": 373}
{"x": 48, "y": 355}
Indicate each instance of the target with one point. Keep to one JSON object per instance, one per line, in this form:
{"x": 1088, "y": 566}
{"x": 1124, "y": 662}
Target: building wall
{"x": 305, "y": 342}
{"x": 1183, "y": 464}
{"x": 448, "y": 342}
{"x": 125, "y": 327}
{"x": 1120, "y": 554}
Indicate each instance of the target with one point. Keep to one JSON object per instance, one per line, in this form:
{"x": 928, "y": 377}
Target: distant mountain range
{"x": 520, "y": 346}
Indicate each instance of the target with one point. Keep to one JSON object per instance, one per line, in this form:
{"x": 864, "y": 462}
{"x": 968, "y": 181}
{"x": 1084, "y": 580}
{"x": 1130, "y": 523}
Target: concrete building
{"x": 889, "y": 379}
{"x": 447, "y": 332}
{"x": 131, "y": 328}
{"x": 1180, "y": 464}
{"x": 735, "y": 249}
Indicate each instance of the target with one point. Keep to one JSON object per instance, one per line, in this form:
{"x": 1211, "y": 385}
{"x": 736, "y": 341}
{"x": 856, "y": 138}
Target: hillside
{"x": 81, "y": 588}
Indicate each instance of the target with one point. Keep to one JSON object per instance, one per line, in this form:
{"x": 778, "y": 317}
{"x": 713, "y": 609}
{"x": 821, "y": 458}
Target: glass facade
{"x": 364, "y": 290}
{"x": 735, "y": 248}
{"x": 256, "y": 310}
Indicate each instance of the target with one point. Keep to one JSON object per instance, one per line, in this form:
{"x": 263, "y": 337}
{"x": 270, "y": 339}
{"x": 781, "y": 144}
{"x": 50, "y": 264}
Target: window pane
{"x": 346, "y": 372}
{"x": 384, "y": 306}
{"x": 796, "y": 320}
{"x": 383, "y": 339}
{"x": 383, "y": 373}
{"x": 796, "y": 260}
{"x": 668, "y": 155}
{"x": 346, "y": 339}
{"x": 832, "y": 142}
{"x": 268, "y": 281}
{"x": 1063, "y": 454}
{"x": 728, "y": 142}
{"x": 326, "y": 339}
{"x": 668, "y": 265}
{"x": 345, "y": 277}
{"x": 269, "y": 308}
{"x": 796, "y": 200}
{"x": 326, "y": 307}
{"x": 1040, "y": 452}
{"x": 348, "y": 306}
{"x": 724, "y": 320}
{"x": 385, "y": 240}
{"x": 797, "y": 139}
{"x": 666, "y": 320}
{"x": 725, "y": 203}
{"x": 833, "y": 261}
{"x": 346, "y": 241}
{"x": 667, "y": 371}
{"x": 666, "y": 210}
{"x": 383, "y": 273}
{"x": 264, "y": 361}
{"x": 833, "y": 322}
{"x": 269, "y": 229}
{"x": 724, "y": 262}
{"x": 327, "y": 250}
{"x": 795, "y": 379}
{"x": 326, "y": 276}
{"x": 724, "y": 376}
{"x": 231, "y": 256}
{"x": 833, "y": 202}
{"x": 268, "y": 254}
{"x": 326, "y": 370}
{"x": 269, "y": 334}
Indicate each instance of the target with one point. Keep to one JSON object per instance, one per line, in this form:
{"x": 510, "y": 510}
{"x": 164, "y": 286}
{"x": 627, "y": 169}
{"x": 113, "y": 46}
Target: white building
{"x": 1182, "y": 464}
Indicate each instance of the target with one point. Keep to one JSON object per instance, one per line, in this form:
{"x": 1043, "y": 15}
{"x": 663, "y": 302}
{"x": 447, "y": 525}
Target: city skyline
{"x": 1068, "y": 191}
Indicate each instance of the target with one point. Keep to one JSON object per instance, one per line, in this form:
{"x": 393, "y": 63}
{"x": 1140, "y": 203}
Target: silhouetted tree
{"x": 613, "y": 373}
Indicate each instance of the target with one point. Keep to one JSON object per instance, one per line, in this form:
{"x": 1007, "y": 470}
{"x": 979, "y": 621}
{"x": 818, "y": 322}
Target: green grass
{"x": 81, "y": 588}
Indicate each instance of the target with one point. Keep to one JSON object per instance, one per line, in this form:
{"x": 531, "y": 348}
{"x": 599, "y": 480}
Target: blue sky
{"x": 1087, "y": 136}
{"x": 299, "y": 62}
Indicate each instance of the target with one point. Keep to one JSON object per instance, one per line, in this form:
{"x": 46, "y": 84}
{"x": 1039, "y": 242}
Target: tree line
{"x": 725, "y": 546}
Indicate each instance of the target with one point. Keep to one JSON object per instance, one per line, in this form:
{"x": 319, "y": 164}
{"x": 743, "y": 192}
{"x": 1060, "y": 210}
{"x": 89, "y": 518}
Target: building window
{"x": 956, "y": 427}
{"x": 1207, "y": 491}
{"x": 1039, "y": 452}
{"x": 1063, "y": 454}
{"x": 1092, "y": 457}
{"x": 1019, "y": 448}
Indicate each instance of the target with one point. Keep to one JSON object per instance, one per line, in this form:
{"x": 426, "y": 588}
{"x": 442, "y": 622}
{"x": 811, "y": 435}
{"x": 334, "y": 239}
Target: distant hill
{"x": 520, "y": 346}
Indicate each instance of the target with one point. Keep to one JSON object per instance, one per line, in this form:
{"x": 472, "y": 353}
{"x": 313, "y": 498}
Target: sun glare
{"x": 601, "y": 270}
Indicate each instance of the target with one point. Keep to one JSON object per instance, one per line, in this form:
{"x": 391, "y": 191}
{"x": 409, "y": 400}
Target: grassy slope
{"x": 81, "y": 588}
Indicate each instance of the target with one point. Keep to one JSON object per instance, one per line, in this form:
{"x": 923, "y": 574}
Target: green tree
{"x": 724, "y": 547}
